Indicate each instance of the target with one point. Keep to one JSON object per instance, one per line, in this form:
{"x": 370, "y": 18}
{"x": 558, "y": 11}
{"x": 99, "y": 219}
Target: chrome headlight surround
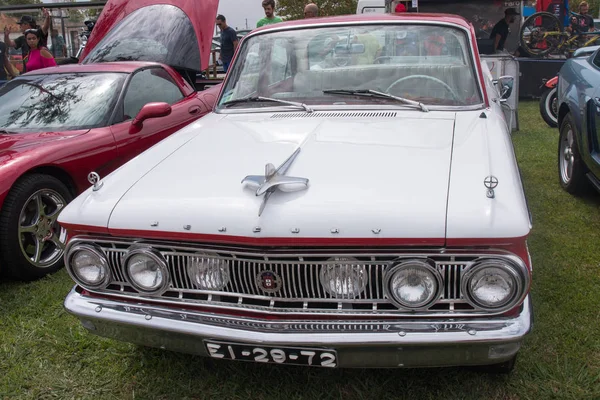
{"x": 516, "y": 273}
{"x": 95, "y": 251}
{"x": 418, "y": 264}
{"x": 152, "y": 255}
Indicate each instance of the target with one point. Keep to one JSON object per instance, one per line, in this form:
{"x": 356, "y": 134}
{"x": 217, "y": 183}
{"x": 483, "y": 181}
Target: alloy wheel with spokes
{"x": 41, "y": 238}
{"x": 32, "y": 242}
{"x": 571, "y": 169}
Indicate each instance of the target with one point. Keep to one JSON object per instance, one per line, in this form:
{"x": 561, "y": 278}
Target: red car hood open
{"x": 173, "y": 32}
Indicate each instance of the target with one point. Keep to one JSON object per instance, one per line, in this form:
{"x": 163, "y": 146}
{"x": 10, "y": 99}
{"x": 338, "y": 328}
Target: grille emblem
{"x": 268, "y": 281}
{"x": 268, "y": 183}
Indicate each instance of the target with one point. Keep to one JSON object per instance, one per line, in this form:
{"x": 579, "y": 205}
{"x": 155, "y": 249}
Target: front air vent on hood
{"x": 335, "y": 115}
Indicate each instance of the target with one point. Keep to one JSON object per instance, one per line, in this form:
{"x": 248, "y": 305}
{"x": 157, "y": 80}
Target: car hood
{"x": 15, "y": 142}
{"x": 173, "y": 32}
{"x": 380, "y": 177}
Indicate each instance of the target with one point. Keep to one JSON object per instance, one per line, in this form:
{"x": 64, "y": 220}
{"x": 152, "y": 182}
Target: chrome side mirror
{"x": 505, "y": 86}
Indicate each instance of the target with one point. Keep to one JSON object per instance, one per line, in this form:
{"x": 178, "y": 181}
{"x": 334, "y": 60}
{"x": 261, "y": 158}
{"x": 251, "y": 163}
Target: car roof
{"x": 355, "y": 18}
{"x": 124, "y": 67}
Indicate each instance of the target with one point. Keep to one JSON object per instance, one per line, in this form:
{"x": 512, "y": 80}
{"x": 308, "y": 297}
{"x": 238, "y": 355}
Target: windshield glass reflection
{"x": 425, "y": 63}
{"x": 59, "y": 102}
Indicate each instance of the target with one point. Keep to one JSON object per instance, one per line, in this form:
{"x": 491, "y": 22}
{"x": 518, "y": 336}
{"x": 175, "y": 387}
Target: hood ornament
{"x": 275, "y": 179}
{"x": 94, "y": 179}
{"x": 491, "y": 183}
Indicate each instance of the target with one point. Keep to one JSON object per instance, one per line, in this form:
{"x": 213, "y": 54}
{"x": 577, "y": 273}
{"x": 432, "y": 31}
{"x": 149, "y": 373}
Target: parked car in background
{"x": 272, "y": 231}
{"x": 59, "y": 124}
{"x": 579, "y": 122}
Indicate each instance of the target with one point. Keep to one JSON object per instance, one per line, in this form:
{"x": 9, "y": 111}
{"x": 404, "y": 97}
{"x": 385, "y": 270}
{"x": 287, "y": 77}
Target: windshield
{"x": 59, "y": 102}
{"x": 161, "y": 33}
{"x": 426, "y": 63}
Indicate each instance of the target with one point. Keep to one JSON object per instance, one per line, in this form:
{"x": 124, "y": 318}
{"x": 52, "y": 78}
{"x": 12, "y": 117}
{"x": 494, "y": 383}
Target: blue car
{"x": 579, "y": 121}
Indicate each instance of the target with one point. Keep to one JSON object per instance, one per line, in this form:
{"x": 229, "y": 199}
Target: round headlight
{"x": 147, "y": 271}
{"x": 208, "y": 271}
{"x": 88, "y": 265}
{"x": 491, "y": 284}
{"x": 413, "y": 284}
{"x": 346, "y": 277}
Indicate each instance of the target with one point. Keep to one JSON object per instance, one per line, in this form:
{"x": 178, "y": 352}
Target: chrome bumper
{"x": 399, "y": 343}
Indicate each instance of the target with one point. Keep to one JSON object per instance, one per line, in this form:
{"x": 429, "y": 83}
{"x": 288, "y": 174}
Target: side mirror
{"x": 348, "y": 49}
{"x": 505, "y": 86}
{"x": 151, "y": 110}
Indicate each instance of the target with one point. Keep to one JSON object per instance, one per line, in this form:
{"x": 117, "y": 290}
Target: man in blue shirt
{"x": 229, "y": 41}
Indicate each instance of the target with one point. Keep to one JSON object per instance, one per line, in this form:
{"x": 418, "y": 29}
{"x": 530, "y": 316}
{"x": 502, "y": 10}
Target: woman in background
{"x": 38, "y": 57}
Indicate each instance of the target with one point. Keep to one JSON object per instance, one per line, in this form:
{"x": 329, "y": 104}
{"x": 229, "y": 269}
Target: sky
{"x": 236, "y": 12}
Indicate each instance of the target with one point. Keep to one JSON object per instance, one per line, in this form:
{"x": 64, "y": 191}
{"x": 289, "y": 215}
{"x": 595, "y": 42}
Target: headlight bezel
{"x": 516, "y": 272}
{"x": 157, "y": 257}
{"x": 403, "y": 264}
{"x": 96, "y": 251}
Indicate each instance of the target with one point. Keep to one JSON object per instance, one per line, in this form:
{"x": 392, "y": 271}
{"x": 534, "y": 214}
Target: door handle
{"x": 194, "y": 110}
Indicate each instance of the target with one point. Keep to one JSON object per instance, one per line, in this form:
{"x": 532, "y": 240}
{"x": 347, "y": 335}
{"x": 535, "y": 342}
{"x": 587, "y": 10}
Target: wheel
{"x": 505, "y": 367}
{"x": 31, "y": 241}
{"x": 571, "y": 169}
{"x": 540, "y": 34}
{"x": 427, "y": 78}
{"x": 548, "y": 107}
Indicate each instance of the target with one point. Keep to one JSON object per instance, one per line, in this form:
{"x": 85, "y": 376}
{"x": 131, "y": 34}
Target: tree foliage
{"x": 294, "y": 9}
{"x": 18, "y": 2}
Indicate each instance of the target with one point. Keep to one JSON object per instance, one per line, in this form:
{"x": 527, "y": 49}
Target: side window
{"x": 281, "y": 68}
{"x": 147, "y": 86}
{"x": 596, "y": 60}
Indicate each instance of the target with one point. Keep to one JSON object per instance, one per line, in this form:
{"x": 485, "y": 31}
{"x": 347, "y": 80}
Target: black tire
{"x": 24, "y": 229}
{"x": 571, "y": 168}
{"x": 505, "y": 367}
{"x": 531, "y": 29}
{"x": 548, "y": 107}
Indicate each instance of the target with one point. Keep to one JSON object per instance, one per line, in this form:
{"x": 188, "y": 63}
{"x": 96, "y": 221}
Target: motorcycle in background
{"x": 548, "y": 102}
{"x": 84, "y": 36}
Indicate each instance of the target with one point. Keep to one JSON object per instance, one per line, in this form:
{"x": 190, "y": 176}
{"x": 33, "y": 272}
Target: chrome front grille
{"x": 299, "y": 270}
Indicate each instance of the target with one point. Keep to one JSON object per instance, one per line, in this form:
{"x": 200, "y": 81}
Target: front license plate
{"x": 268, "y": 354}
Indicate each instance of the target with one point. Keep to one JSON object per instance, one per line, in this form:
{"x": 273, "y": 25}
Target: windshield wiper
{"x": 260, "y": 98}
{"x": 4, "y": 131}
{"x": 381, "y": 95}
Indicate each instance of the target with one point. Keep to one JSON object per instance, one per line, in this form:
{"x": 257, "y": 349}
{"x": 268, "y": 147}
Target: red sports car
{"x": 134, "y": 87}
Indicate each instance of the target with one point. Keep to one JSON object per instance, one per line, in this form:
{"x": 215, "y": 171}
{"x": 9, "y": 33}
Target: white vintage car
{"x": 352, "y": 201}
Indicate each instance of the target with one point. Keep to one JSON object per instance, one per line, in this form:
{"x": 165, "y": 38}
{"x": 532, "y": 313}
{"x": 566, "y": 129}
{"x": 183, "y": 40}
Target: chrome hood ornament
{"x": 275, "y": 179}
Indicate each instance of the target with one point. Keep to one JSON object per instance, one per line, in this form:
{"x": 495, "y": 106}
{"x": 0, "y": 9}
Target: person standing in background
{"x": 270, "y": 18}
{"x": 311, "y": 10}
{"x": 5, "y": 67}
{"x": 58, "y": 45}
{"x": 38, "y": 57}
{"x": 229, "y": 41}
{"x": 27, "y": 22}
{"x": 502, "y": 29}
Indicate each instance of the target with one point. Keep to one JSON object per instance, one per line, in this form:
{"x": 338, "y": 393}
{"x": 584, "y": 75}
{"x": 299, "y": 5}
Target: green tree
{"x": 294, "y": 9}
{"x": 18, "y": 2}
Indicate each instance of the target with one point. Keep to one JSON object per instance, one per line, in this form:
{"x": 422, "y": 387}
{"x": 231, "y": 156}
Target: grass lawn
{"x": 45, "y": 353}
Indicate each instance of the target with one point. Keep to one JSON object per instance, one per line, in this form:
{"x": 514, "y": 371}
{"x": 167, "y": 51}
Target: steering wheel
{"x": 425, "y": 77}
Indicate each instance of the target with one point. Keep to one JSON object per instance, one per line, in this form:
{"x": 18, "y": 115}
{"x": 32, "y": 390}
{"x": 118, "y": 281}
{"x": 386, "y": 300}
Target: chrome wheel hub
{"x": 41, "y": 238}
{"x": 568, "y": 158}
